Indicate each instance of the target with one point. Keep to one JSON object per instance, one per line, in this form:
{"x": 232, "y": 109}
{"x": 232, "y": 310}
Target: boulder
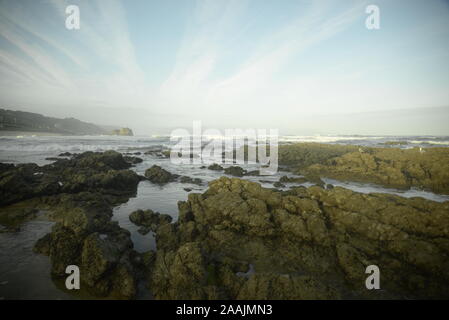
{"x": 186, "y": 179}
{"x": 305, "y": 243}
{"x": 235, "y": 171}
{"x": 215, "y": 167}
{"x": 149, "y": 219}
{"x": 159, "y": 175}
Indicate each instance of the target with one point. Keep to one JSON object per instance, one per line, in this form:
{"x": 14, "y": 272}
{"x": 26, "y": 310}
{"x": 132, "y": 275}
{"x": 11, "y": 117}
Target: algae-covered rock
{"x": 215, "y": 167}
{"x": 307, "y": 243}
{"x": 149, "y": 219}
{"x": 89, "y": 171}
{"x": 133, "y": 160}
{"x": 156, "y": 174}
{"x": 84, "y": 236}
{"x": 78, "y": 194}
{"x": 285, "y": 179}
{"x": 426, "y": 169}
{"x": 183, "y": 274}
{"x": 235, "y": 171}
{"x": 186, "y": 179}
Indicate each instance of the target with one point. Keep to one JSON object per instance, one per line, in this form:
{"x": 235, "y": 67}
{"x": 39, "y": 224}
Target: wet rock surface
{"x": 235, "y": 171}
{"x": 306, "y": 243}
{"x": 156, "y": 174}
{"x": 186, "y": 179}
{"x": 149, "y": 219}
{"x": 89, "y": 171}
{"x": 78, "y": 194}
{"x": 215, "y": 167}
{"x": 133, "y": 160}
{"x": 425, "y": 169}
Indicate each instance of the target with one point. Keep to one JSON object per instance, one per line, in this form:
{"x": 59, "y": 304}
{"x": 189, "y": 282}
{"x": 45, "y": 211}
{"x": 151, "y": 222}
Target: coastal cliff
{"x": 19, "y": 121}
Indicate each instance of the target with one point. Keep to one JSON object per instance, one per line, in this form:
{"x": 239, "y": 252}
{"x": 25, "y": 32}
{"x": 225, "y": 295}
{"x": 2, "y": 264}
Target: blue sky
{"x": 156, "y": 65}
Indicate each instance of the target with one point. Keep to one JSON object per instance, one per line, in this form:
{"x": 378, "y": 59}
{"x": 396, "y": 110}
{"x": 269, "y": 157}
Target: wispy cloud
{"x": 191, "y": 83}
{"x": 231, "y": 61}
{"x": 40, "y": 55}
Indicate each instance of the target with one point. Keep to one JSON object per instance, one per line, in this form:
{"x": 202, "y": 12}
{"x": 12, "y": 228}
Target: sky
{"x": 300, "y": 66}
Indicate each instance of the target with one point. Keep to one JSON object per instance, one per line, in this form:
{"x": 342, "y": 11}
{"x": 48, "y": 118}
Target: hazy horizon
{"x": 303, "y": 67}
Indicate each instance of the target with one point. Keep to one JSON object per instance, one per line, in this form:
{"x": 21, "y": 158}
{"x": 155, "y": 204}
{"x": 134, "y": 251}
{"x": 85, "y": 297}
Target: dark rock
{"x": 158, "y": 175}
{"x": 149, "y": 219}
{"x": 6, "y": 167}
{"x": 315, "y": 179}
{"x": 144, "y": 230}
{"x": 235, "y": 171}
{"x": 133, "y": 160}
{"x": 85, "y": 236}
{"x": 426, "y": 169}
{"x": 186, "y": 179}
{"x": 65, "y": 154}
{"x": 285, "y": 179}
{"x": 306, "y": 243}
{"x": 278, "y": 185}
{"x": 215, "y": 167}
{"x": 78, "y": 194}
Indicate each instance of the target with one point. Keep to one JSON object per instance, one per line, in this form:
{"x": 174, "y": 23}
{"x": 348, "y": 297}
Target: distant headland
{"x": 20, "y": 121}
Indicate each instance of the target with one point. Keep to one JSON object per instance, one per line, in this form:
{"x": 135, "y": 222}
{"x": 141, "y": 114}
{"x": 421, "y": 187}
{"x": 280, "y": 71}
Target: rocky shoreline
{"x": 307, "y": 243}
{"x": 238, "y": 240}
{"x": 425, "y": 169}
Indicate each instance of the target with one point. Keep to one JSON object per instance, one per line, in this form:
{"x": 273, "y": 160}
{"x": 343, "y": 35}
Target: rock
{"x": 315, "y": 179}
{"x": 78, "y": 194}
{"x": 286, "y": 287}
{"x": 13, "y": 215}
{"x": 278, "y": 185}
{"x": 390, "y": 167}
{"x": 215, "y": 167}
{"x": 235, "y": 171}
{"x": 186, "y": 275}
{"x": 186, "y": 179}
{"x": 133, "y": 160}
{"x": 85, "y": 236}
{"x": 285, "y": 179}
{"x": 158, "y": 175}
{"x": 149, "y": 219}
{"x": 395, "y": 143}
{"x": 302, "y": 155}
{"x": 305, "y": 243}
{"x": 144, "y": 230}
{"x": 252, "y": 173}
{"x": 5, "y": 167}
{"x": 100, "y": 160}
{"x": 122, "y": 132}
{"x": 65, "y": 154}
